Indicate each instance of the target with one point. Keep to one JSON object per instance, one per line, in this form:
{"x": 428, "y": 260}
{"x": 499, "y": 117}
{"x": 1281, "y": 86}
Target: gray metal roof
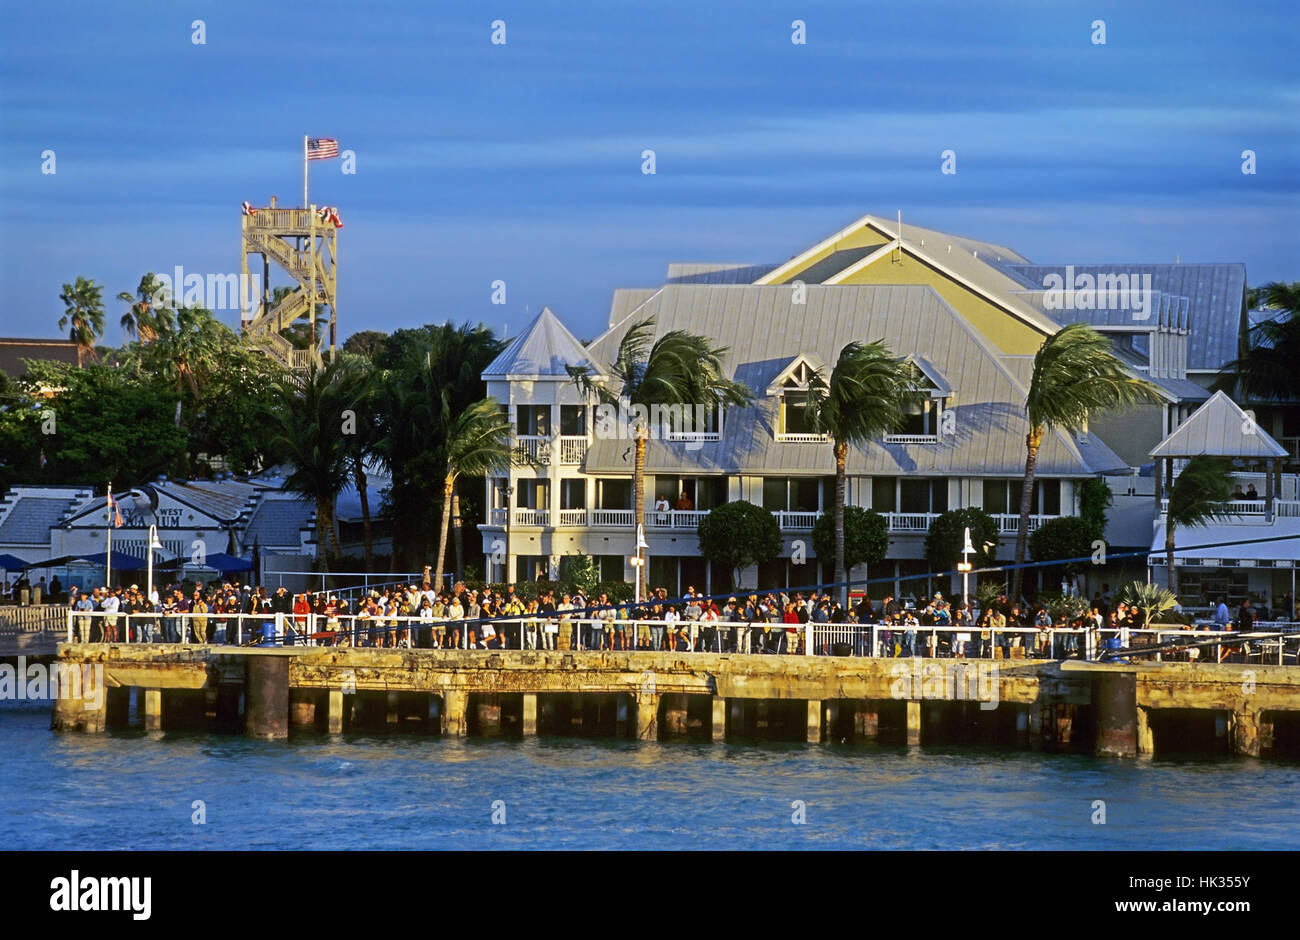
{"x": 627, "y": 299}
{"x": 277, "y": 523}
{"x": 1219, "y": 428}
{"x": 704, "y": 273}
{"x": 30, "y": 520}
{"x": 1215, "y": 294}
{"x": 764, "y": 332}
{"x": 545, "y": 347}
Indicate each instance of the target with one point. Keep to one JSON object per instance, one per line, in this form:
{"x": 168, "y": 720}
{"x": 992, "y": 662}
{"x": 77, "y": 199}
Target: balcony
{"x": 542, "y": 450}
{"x": 911, "y": 439}
{"x": 1249, "y": 511}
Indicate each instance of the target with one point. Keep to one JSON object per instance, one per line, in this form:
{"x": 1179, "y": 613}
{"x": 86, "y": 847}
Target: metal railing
{"x": 558, "y": 631}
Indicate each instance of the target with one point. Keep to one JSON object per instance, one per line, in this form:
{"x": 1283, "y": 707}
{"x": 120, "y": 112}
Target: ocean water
{"x": 137, "y": 790}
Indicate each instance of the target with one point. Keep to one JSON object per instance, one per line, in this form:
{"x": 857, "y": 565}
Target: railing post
{"x": 69, "y": 624}
{"x": 809, "y": 638}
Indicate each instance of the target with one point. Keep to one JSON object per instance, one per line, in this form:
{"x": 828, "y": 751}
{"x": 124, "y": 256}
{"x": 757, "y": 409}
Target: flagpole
{"x": 304, "y": 171}
{"x": 108, "y": 557}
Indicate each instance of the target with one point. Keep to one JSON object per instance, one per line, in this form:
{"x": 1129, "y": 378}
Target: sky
{"x": 523, "y": 161}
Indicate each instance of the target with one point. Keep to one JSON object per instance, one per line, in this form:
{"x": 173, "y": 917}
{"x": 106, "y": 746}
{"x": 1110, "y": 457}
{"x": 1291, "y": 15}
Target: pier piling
{"x": 267, "y": 682}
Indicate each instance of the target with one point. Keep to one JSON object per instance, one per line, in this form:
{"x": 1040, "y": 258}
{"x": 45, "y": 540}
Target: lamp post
{"x": 638, "y": 562}
{"x": 965, "y": 567}
{"x": 154, "y": 545}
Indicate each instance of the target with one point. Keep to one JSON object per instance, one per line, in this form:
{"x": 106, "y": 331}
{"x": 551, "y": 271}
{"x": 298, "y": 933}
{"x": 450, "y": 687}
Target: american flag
{"x": 117, "y": 513}
{"x": 322, "y": 148}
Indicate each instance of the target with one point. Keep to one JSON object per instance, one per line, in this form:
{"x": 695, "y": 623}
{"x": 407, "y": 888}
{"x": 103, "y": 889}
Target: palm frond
{"x": 1076, "y": 375}
{"x": 1202, "y": 491}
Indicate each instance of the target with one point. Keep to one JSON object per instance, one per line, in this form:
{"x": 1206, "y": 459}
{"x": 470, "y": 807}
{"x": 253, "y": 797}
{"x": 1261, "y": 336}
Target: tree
{"x": 107, "y": 425}
{"x": 867, "y": 395}
{"x": 415, "y": 367}
{"x": 1266, "y": 366}
{"x": 184, "y": 351}
{"x": 1200, "y": 494}
{"x": 1095, "y": 498}
{"x": 1075, "y": 375}
{"x": 147, "y": 315}
{"x": 478, "y": 444}
{"x": 1153, "y": 600}
{"x": 947, "y": 535}
{"x": 1066, "y": 537}
{"x": 679, "y": 368}
{"x": 365, "y": 343}
{"x": 862, "y": 535}
{"x": 580, "y": 572}
{"x": 739, "y": 535}
{"x": 83, "y": 315}
{"x": 306, "y": 412}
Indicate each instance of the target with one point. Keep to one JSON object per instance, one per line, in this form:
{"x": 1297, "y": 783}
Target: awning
{"x": 11, "y": 563}
{"x": 217, "y": 561}
{"x": 121, "y": 561}
{"x": 1232, "y": 546}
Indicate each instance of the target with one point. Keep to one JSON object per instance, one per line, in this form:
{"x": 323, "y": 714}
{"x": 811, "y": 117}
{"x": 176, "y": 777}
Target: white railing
{"x": 674, "y": 518}
{"x": 1250, "y": 511}
{"x": 796, "y": 521}
{"x": 572, "y": 450}
{"x": 910, "y": 521}
{"x": 573, "y": 517}
{"x": 1009, "y": 523}
{"x": 542, "y": 631}
{"x": 607, "y": 517}
{"x": 694, "y": 436}
{"x": 497, "y": 517}
{"x": 803, "y": 439}
{"x": 1289, "y": 508}
{"x": 533, "y": 448}
{"x": 532, "y": 517}
{"x": 911, "y": 439}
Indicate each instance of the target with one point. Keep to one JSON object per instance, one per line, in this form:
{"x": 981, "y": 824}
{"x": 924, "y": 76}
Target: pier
{"x": 1119, "y": 710}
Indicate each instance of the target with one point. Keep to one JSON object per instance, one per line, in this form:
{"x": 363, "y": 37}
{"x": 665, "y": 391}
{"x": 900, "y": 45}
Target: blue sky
{"x": 522, "y": 162}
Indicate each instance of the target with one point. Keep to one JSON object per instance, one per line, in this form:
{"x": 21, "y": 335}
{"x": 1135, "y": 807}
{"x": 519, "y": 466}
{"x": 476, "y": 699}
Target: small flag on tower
{"x": 322, "y": 148}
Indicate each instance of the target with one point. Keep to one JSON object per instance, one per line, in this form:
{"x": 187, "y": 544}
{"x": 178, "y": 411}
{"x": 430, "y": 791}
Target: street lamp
{"x": 638, "y": 562}
{"x": 965, "y": 567}
{"x": 154, "y": 545}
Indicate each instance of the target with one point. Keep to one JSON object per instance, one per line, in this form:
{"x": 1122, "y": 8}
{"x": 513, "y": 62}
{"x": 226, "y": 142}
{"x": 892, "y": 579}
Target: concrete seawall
{"x": 1117, "y": 710}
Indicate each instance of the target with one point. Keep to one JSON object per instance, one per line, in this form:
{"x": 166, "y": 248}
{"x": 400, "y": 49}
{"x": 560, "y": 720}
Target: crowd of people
{"x": 462, "y": 617}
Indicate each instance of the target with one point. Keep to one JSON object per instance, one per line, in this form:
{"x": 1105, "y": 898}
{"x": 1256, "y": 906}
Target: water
{"x": 134, "y": 790}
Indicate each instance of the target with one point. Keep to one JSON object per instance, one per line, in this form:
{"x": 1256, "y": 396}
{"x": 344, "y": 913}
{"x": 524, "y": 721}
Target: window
{"x": 1002, "y": 497}
{"x": 883, "y": 494}
{"x": 922, "y": 420}
{"x": 703, "y": 492}
{"x": 533, "y": 420}
{"x": 611, "y": 567}
{"x": 614, "y": 494}
{"x": 573, "y": 494}
{"x": 918, "y": 494}
{"x": 691, "y": 422}
{"x": 792, "y": 494}
{"x": 794, "y": 414}
{"x": 532, "y": 494}
{"x": 573, "y": 420}
{"x": 792, "y": 390}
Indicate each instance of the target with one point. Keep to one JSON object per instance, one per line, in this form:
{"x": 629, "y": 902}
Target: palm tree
{"x": 83, "y": 317}
{"x": 478, "y": 444}
{"x": 1266, "y": 368}
{"x": 306, "y": 414}
{"x": 679, "y": 368}
{"x": 1075, "y": 374}
{"x": 146, "y": 316}
{"x": 867, "y": 395}
{"x": 1199, "y": 495}
{"x": 362, "y": 382}
{"x": 184, "y": 348}
{"x": 1153, "y": 600}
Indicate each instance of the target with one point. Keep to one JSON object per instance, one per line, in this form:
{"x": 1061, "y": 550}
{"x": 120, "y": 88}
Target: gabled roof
{"x": 1219, "y": 428}
{"x": 704, "y": 273}
{"x": 776, "y": 386}
{"x": 544, "y": 348}
{"x": 974, "y": 264}
{"x": 763, "y": 337}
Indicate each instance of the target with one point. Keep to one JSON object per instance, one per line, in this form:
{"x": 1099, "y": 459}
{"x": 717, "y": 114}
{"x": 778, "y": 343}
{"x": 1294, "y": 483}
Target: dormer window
{"x": 791, "y": 388}
{"x": 924, "y": 422}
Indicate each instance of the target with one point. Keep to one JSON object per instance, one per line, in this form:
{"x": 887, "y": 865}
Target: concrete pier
{"x": 268, "y": 697}
{"x": 1115, "y": 713}
{"x": 1127, "y": 710}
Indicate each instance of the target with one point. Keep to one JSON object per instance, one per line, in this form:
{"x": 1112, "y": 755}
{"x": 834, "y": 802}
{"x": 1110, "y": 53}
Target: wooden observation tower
{"x": 304, "y": 244}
